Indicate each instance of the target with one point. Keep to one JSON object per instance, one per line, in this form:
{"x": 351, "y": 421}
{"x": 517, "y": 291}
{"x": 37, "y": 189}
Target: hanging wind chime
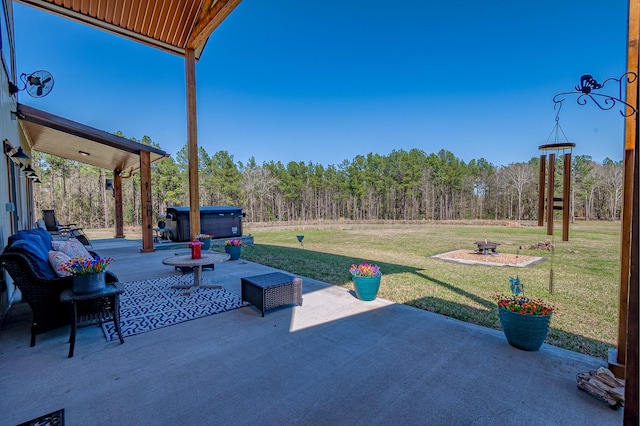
{"x": 547, "y": 205}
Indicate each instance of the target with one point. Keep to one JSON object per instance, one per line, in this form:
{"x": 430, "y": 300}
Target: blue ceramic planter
{"x": 206, "y": 243}
{"x": 526, "y": 332}
{"x": 366, "y": 287}
{"x": 234, "y": 251}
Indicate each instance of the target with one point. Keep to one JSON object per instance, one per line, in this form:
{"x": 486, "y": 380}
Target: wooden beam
{"x": 631, "y": 356}
{"x": 146, "y": 202}
{"x": 208, "y": 21}
{"x": 632, "y": 134}
{"x": 117, "y": 193}
{"x": 617, "y": 359}
{"x": 192, "y": 144}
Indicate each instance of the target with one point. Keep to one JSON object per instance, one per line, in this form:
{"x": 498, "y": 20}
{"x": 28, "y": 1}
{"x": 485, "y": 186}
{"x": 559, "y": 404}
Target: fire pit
{"x": 487, "y": 247}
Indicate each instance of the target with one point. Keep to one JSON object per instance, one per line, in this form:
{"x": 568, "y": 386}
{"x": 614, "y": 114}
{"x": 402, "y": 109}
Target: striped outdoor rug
{"x": 151, "y": 304}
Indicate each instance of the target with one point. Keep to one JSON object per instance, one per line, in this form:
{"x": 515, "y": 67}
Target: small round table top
{"x": 186, "y": 260}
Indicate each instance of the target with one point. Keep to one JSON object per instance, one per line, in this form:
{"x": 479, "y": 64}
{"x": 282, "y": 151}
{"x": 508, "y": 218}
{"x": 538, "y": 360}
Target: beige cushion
{"x": 56, "y": 259}
{"x": 72, "y": 248}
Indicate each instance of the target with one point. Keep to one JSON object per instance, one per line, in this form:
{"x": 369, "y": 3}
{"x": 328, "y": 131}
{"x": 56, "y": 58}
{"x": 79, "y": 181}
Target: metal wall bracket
{"x": 587, "y": 90}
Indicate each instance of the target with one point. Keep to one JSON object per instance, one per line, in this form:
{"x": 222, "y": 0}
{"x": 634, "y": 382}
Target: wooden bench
{"x": 270, "y": 291}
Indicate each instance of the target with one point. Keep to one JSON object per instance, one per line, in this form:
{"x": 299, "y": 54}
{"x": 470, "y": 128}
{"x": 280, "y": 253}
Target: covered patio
{"x": 334, "y": 360}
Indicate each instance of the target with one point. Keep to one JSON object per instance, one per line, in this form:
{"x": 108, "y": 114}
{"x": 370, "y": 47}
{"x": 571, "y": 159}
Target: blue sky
{"x": 289, "y": 80}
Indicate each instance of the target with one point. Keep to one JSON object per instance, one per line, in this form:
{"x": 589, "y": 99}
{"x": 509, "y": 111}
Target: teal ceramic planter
{"x": 234, "y": 251}
{"x": 206, "y": 243}
{"x": 526, "y": 332}
{"x": 366, "y": 287}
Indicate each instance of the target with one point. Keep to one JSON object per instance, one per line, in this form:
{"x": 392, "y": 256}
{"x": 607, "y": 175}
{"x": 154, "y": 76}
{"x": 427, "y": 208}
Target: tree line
{"x": 403, "y": 185}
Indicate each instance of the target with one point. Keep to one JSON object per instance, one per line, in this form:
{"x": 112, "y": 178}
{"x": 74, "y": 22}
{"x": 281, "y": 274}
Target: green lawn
{"x": 586, "y": 269}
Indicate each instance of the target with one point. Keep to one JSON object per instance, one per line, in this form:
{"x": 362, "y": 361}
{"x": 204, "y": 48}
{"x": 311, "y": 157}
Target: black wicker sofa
{"x": 25, "y": 258}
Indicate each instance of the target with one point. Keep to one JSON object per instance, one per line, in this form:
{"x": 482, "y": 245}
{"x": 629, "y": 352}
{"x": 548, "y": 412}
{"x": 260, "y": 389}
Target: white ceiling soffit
{"x": 64, "y": 138}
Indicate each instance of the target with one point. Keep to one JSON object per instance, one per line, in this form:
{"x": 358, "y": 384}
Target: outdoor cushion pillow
{"x": 56, "y": 259}
{"x": 31, "y": 246}
{"x": 72, "y": 248}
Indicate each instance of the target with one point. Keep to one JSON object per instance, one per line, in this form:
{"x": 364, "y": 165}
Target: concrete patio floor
{"x": 333, "y": 361}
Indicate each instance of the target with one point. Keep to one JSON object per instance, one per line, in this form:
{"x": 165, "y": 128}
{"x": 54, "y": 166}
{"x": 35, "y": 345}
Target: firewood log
{"x": 603, "y": 385}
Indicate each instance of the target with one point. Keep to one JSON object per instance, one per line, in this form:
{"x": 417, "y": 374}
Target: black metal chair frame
{"x": 70, "y": 229}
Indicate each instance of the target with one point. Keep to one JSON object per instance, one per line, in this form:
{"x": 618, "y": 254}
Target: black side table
{"x": 92, "y": 308}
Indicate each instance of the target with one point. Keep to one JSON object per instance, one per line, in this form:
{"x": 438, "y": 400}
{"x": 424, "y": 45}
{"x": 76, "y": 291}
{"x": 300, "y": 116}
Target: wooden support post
{"x": 566, "y": 196}
{"x": 551, "y": 183}
{"x": 633, "y": 330}
{"x": 146, "y": 202}
{"x": 617, "y": 357}
{"x": 192, "y": 144}
{"x": 543, "y": 166}
{"x": 117, "y": 193}
{"x": 628, "y": 329}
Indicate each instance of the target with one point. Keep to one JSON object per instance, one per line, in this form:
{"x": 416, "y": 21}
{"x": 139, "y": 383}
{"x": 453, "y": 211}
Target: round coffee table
{"x": 185, "y": 261}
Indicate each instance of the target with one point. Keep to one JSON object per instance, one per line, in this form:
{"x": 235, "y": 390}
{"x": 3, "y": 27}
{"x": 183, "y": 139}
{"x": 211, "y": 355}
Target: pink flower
{"x": 365, "y": 270}
{"x": 82, "y": 266}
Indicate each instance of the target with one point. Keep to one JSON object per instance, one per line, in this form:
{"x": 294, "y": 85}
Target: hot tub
{"x": 219, "y": 221}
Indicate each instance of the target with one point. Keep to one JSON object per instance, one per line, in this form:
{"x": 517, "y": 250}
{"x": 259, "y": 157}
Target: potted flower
{"x": 88, "y": 274}
{"x": 233, "y": 247}
{"x": 525, "y": 321}
{"x": 366, "y": 280}
{"x": 162, "y": 221}
{"x": 205, "y": 239}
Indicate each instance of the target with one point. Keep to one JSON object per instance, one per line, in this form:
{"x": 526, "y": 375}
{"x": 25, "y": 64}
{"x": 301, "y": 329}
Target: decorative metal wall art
{"x": 587, "y": 90}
